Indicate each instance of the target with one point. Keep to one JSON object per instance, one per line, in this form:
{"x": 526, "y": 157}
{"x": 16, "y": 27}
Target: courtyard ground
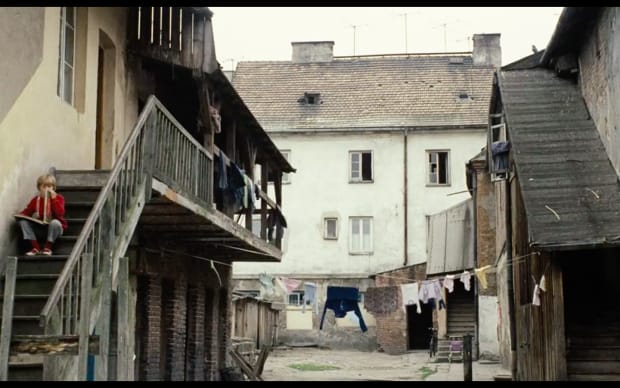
{"x": 316, "y": 364}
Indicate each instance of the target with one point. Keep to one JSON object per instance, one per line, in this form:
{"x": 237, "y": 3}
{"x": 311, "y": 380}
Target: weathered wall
{"x": 39, "y": 130}
{"x": 392, "y": 328}
{"x": 503, "y": 324}
{"x": 487, "y": 327}
{"x": 599, "y": 62}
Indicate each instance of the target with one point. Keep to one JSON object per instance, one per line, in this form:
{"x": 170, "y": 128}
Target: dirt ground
{"x": 284, "y": 364}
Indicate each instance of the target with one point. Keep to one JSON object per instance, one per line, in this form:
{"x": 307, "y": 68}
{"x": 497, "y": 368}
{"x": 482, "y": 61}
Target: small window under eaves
{"x": 464, "y": 96}
{"x": 311, "y": 99}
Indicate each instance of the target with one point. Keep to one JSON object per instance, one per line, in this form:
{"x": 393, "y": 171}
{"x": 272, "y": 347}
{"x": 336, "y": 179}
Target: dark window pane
{"x": 367, "y": 166}
{"x": 70, "y": 11}
{"x": 69, "y": 45}
{"x": 443, "y": 167}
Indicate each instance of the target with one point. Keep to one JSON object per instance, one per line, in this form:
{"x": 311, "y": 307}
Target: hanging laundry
{"x": 437, "y": 289}
{"x": 465, "y": 279}
{"x": 448, "y": 282}
{"x": 222, "y": 181}
{"x": 381, "y": 300}
{"x": 266, "y": 286}
{"x": 341, "y": 300}
{"x": 290, "y": 284}
{"x": 280, "y": 288}
{"x": 481, "y": 274}
{"x": 543, "y": 286}
{"x": 409, "y": 293}
{"x": 536, "y": 296}
{"x": 426, "y": 292}
{"x": 310, "y": 297}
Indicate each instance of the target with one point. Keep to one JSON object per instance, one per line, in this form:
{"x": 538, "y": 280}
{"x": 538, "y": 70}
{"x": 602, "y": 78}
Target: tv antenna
{"x": 354, "y": 26}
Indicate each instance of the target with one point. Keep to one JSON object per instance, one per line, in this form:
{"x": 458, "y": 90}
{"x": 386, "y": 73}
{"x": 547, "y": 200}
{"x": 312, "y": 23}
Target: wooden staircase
{"x": 593, "y": 351}
{"x": 36, "y": 275}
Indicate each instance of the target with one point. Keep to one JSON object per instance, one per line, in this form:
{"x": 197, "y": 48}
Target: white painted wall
{"x": 40, "y": 130}
{"x": 427, "y": 200}
{"x": 488, "y": 325}
{"x": 321, "y": 189}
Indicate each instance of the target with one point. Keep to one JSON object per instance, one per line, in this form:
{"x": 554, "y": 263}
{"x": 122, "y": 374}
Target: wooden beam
{"x": 7, "y": 316}
{"x": 123, "y": 326}
{"x": 52, "y": 345}
{"x": 85, "y": 286}
{"x": 243, "y": 364}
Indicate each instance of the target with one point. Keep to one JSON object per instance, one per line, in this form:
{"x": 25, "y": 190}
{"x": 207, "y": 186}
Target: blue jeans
{"x": 54, "y": 230}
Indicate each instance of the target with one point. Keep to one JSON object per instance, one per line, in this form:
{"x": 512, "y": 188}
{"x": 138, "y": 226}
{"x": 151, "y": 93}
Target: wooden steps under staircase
{"x": 37, "y": 275}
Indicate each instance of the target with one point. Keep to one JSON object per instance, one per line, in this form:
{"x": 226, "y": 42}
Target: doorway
{"x": 104, "y": 136}
{"x": 418, "y": 326}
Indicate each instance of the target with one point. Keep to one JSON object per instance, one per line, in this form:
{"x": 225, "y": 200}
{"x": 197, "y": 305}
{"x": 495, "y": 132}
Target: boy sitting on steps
{"x": 48, "y": 207}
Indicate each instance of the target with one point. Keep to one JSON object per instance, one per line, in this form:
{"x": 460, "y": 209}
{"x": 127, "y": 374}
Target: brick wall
{"x": 224, "y": 315}
{"x": 175, "y": 316}
{"x": 150, "y": 351}
{"x": 196, "y": 332}
{"x": 485, "y": 225}
{"x": 211, "y": 325}
{"x": 392, "y": 328}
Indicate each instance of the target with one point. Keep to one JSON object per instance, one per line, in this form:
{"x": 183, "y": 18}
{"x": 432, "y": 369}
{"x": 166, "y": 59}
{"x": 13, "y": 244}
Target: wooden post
{"x": 277, "y": 185}
{"x": 150, "y": 140}
{"x": 85, "y": 285}
{"x": 264, "y": 177}
{"x": 7, "y": 316}
{"x": 123, "y": 328}
{"x": 103, "y": 324}
{"x": 467, "y": 372}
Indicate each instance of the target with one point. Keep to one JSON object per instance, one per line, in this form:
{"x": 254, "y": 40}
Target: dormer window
{"x": 311, "y": 99}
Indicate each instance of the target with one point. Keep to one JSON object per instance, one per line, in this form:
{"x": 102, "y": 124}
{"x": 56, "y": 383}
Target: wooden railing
{"x": 10, "y": 274}
{"x": 158, "y": 146}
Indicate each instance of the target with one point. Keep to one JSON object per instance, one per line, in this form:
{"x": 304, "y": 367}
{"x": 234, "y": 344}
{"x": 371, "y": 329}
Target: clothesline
{"x": 492, "y": 268}
{"x": 212, "y": 262}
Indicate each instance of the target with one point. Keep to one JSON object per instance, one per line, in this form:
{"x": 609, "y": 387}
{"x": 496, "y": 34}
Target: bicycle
{"x": 433, "y": 342}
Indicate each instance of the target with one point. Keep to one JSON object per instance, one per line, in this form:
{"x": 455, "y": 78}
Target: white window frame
{"x": 299, "y": 295}
{"x": 63, "y": 93}
{"x": 359, "y": 177}
{"x": 357, "y": 245}
{"x": 429, "y": 164}
{"x": 326, "y": 220}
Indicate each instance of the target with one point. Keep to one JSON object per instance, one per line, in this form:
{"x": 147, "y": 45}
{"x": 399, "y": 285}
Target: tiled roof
{"x": 570, "y": 189}
{"x": 367, "y": 92}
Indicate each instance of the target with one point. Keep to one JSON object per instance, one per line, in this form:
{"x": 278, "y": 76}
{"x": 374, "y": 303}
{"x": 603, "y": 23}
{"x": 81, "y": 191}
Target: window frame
{"x": 360, "y": 179}
{"x": 62, "y": 56}
{"x": 429, "y": 164}
{"x": 300, "y": 298}
{"x": 361, "y": 250}
{"x": 325, "y": 228}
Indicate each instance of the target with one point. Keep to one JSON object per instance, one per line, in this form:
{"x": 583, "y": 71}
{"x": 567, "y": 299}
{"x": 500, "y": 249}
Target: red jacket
{"x": 57, "y": 208}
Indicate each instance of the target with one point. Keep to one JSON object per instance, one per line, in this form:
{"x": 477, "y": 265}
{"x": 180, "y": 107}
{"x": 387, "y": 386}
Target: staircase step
{"x": 82, "y": 178}
{"x": 41, "y": 264}
{"x": 79, "y": 209}
{"x": 27, "y": 304}
{"x": 79, "y": 194}
{"x": 75, "y": 225}
{"x": 26, "y": 325}
{"x": 64, "y": 244}
{"x": 35, "y": 284}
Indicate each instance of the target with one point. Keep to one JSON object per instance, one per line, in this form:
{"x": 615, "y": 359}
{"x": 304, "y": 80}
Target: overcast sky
{"x": 266, "y": 33}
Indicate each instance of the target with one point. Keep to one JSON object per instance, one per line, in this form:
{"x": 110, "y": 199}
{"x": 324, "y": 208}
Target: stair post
{"x": 123, "y": 327}
{"x": 7, "y": 316}
{"x": 85, "y": 286}
{"x": 149, "y": 157}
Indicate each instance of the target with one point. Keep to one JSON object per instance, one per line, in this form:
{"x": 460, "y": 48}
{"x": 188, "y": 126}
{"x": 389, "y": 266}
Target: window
{"x": 296, "y": 298}
{"x": 66, "y": 58}
{"x": 360, "y": 235}
{"x": 361, "y": 166}
{"x": 438, "y": 171}
{"x": 330, "y": 226}
{"x": 310, "y": 99}
{"x": 286, "y": 177}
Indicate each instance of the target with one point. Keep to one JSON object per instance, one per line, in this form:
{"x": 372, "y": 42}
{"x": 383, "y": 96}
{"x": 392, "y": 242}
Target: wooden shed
{"x": 255, "y": 320}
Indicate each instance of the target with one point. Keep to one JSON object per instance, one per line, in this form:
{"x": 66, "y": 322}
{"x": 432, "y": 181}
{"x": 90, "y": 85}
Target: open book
{"x": 38, "y": 221}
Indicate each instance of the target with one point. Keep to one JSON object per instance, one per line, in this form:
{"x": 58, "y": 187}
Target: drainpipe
{"x": 511, "y": 293}
{"x": 406, "y": 254}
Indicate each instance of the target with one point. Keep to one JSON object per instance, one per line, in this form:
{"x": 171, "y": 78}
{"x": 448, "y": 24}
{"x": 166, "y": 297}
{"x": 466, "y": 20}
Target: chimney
{"x": 487, "y": 50}
{"x": 306, "y": 52}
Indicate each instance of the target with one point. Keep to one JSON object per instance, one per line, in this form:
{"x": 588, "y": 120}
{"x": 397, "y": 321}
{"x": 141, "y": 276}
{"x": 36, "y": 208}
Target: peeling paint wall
{"x": 487, "y": 330}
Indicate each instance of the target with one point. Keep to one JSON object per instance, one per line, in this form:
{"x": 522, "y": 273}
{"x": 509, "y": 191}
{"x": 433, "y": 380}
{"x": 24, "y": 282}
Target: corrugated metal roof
{"x": 561, "y": 162}
{"x": 451, "y": 237}
{"x": 367, "y": 92}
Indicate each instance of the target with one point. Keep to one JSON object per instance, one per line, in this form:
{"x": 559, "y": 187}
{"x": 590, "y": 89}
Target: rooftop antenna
{"x": 405, "y": 16}
{"x": 355, "y": 33}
